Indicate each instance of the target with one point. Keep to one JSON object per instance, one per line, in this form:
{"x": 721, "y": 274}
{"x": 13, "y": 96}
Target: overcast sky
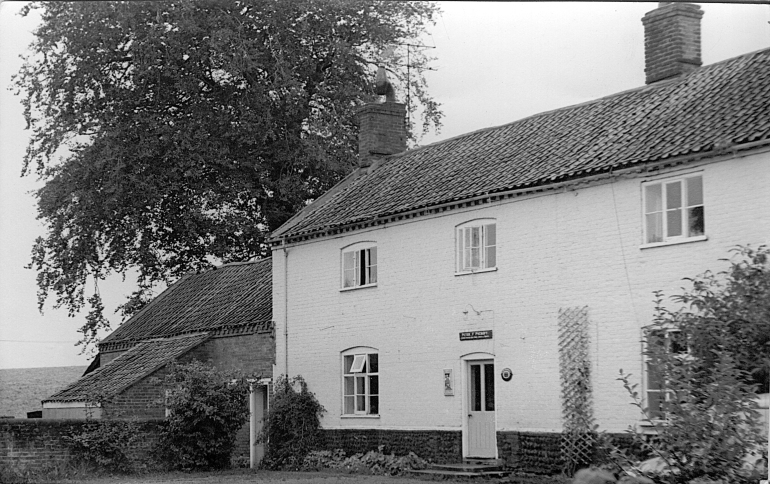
{"x": 496, "y": 63}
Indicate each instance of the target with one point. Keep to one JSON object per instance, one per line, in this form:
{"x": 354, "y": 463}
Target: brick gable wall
{"x": 254, "y": 353}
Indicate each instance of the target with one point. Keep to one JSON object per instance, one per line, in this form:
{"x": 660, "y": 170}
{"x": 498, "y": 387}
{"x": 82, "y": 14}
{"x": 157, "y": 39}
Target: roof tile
{"x": 233, "y": 294}
{"x": 724, "y": 103}
{"x": 128, "y": 368}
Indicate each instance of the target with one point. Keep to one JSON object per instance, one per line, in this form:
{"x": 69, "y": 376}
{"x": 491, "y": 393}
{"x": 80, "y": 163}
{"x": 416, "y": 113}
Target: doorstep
{"x": 469, "y": 468}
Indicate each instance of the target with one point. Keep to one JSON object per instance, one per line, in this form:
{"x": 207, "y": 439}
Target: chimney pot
{"x": 671, "y": 40}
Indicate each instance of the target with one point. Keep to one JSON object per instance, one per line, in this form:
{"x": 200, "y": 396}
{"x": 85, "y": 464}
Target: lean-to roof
{"x": 131, "y": 366}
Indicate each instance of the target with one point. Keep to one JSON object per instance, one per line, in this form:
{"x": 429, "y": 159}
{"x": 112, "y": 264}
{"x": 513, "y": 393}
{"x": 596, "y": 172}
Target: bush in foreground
{"x": 293, "y": 425}
{"x": 206, "y": 407}
{"x": 706, "y": 361}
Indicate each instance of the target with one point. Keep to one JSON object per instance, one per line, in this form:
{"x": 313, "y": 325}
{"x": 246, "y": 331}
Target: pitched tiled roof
{"x": 128, "y": 368}
{"x": 231, "y": 296}
{"x": 717, "y": 106}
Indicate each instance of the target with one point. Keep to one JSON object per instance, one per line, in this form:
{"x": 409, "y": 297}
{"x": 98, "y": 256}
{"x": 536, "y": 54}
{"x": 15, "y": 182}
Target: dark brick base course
{"x": 531, "y": 452}
{"x": 440, "y": 446}
{"x": 536, "y": 453}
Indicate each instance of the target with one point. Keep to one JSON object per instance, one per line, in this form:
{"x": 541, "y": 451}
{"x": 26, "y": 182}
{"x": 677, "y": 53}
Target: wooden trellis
{"x": 577, "y": 400}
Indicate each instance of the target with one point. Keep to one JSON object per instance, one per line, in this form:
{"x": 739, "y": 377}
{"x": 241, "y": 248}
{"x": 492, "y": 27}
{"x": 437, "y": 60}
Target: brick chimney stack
{"x": 671, "y": 40}
{"x": 382, "y": 126}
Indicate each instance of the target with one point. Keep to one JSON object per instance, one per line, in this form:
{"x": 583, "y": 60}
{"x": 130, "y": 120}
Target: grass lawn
{"x": 244, "y": 476}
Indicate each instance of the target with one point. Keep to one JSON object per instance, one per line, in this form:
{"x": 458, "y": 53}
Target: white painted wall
{"x": 70, "y": 410}
{"x": 571, "y": 248}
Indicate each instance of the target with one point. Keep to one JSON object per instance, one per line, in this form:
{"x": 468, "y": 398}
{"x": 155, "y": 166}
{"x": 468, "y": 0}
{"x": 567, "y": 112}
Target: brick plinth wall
{"x": 540, "y": 452}
{"x": 532, "y": 452}
{"x": 440, "y": 446}
{"x": 38, "y": 443}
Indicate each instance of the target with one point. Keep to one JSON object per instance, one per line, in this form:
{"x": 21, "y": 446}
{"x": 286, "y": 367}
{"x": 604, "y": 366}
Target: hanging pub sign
{"x": 471, "y": 335}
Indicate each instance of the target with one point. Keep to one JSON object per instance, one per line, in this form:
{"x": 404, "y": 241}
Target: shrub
{"x": 729, "y": 312}
{"x": 708, "y": 358}
{"x": 206, "y": 409}
{"x": 372, "y": 462}
{"x": 105, "y": 444}
{"x": 293, "y": 425}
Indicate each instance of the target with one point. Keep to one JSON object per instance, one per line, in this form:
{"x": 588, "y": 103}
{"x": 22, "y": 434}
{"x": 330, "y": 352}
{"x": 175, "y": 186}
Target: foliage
{"x": 172, "y": 135}
{"x": 710, "y": 429}
{"x": 372, "y": 462}
{"x": 105, "y": 444}
{"x": 293, "y": 425}
{"x": 729, "y": 312}
{"x": 207, "y": 407}
{"x": 707, "y": 359}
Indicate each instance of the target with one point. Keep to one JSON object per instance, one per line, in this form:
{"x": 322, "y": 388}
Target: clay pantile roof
{"x": 233, "y": 295}
{"x": 715, "y": 107}
{"x": 128, "y": 368}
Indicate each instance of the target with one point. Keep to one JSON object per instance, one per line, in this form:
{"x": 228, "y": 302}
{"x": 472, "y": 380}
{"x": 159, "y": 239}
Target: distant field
{"x": 21, "y": 389}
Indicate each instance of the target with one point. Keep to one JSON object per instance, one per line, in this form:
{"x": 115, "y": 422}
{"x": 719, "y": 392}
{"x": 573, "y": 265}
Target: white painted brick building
{"x": 569, "y": 195}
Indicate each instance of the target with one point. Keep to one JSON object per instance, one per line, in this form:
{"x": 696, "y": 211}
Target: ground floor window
{"x": 361, "y": 384}
{"x": 666, "y": 341}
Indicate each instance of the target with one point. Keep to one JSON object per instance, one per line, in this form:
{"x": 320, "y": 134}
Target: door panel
{"x": 482, "y": 439}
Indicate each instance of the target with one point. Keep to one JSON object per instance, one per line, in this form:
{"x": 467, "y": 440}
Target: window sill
{"x": 465, "y": 273}
{"x": 347, "y": 415}
{"x": 354, "y": 288}
{"x": 699, "y": 238}
{"x": 648, "y": 427}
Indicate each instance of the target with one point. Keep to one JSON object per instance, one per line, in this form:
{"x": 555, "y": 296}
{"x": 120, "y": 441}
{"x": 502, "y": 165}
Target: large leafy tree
{"x": 173, "y": 135}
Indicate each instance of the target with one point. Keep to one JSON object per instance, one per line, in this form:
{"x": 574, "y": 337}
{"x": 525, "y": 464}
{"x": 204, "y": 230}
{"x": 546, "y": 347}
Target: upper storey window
{"x": 673, "y": 209}
{"x": 359, "y": 265}
{"x": 477, "y": 245}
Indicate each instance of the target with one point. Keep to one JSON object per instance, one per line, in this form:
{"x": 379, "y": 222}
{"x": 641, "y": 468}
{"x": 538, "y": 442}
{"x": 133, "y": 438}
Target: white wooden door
{"x": 258, "y": 410}
{"x": 482, "y": 438}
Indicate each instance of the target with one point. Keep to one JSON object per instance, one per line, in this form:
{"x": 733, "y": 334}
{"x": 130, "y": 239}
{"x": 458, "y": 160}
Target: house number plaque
{"x": 471, "y": 335}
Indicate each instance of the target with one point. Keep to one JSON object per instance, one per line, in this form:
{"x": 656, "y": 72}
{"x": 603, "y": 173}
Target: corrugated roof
{"x": 230, "y": 295}
{"x": 128, "y": 368}
{"x": 724, "y": 104}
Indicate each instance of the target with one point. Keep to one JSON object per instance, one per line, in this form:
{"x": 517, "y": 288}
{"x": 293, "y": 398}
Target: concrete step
{"x": 448, "y": 473}
{"x": 483, "y": 460}
{"x": 468, "y": 468}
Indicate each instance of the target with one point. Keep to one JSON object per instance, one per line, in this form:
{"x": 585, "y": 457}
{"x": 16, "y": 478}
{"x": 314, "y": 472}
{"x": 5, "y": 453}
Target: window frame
{"x": 464, "y": 246}
{"x": 367, "y": 272}
{"x": 682, "y": 350}
{"x": 685, "y": 211}
{"x": 351, "y": 393}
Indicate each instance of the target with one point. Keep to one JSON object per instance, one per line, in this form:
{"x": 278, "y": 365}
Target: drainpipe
{"x": 285, "y": 308}
{"x": 252, "y": 426}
